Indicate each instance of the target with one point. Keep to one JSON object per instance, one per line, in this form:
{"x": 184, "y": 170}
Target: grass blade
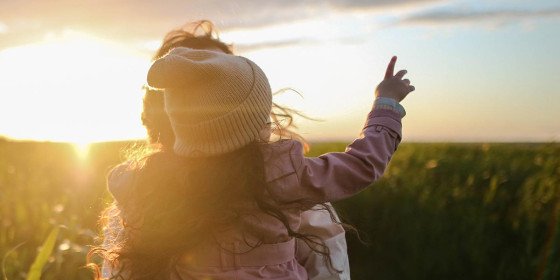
{"x": 6, "y": 256}
{"x": 41, "y": 259}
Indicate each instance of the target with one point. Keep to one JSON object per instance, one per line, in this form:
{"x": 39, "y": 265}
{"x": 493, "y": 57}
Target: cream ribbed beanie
{"x": 216, "y": 102}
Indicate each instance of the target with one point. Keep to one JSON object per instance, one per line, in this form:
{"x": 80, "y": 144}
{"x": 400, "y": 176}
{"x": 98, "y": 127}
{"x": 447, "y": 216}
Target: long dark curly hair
{"x": 178, "y": 203}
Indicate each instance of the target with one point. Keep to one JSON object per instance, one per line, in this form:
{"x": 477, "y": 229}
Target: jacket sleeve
{"x": 336, "y": 176}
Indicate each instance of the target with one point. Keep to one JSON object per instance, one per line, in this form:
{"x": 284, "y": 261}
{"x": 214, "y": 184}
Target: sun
{"x": 81, "y": 149}
{"x": 72, "y": 87}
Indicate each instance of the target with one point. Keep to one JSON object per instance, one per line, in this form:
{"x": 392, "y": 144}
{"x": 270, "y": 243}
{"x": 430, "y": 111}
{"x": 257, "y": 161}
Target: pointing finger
{"x": 391, "y": 68}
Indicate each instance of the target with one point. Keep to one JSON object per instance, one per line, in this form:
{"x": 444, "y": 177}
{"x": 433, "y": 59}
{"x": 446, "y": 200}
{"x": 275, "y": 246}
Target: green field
{"x": 441, "y": 211}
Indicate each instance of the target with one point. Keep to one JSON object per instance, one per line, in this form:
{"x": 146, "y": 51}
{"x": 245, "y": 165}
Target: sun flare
{"x": 72, "y": 88}
{"x": 81, "y": 149}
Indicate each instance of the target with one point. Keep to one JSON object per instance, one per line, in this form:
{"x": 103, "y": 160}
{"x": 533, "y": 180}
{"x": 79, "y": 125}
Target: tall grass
{"x": 36, "y": 268}
{"x": 442, "y": 211}
{"x": 459, "y": 211}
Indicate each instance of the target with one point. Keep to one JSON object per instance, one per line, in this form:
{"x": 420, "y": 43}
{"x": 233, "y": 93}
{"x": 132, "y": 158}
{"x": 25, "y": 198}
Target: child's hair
{"x": 179, "y": 202}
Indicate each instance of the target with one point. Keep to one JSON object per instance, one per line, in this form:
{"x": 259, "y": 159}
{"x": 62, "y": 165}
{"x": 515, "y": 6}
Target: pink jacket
{"x": 291, "y": 176}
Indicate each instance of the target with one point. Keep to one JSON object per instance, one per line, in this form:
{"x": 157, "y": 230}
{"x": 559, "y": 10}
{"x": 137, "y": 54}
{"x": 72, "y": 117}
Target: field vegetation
{"x": 441, "y": 211}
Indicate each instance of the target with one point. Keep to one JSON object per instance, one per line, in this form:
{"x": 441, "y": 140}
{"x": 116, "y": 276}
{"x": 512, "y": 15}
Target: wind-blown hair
{"x": 178, "y": 203}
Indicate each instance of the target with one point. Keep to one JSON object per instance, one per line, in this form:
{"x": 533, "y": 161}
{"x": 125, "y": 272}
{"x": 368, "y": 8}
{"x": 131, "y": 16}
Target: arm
{"x": 335, "y": 176}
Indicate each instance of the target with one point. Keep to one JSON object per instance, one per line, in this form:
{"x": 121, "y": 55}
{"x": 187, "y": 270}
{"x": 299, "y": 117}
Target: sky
{"x": 484, "y": 71}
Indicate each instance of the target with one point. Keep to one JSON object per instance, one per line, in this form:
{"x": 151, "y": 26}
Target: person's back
{"x": 239, "y": 196}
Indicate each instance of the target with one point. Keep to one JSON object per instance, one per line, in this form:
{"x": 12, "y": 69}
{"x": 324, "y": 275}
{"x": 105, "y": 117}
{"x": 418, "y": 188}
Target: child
{"x": 203, "y": 35}
{"x": 227, "y": 203}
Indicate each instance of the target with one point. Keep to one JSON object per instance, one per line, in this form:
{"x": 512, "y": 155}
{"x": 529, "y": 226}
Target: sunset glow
{"x": 432, "y": 127}
{"x": 82, "y": 149}
{"x": 72, "y": 87}
{"x": 482, "y": 69}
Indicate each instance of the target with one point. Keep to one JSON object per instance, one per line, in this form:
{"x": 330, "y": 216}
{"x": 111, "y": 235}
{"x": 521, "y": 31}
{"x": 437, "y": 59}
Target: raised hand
{"x": 394, "y": 86}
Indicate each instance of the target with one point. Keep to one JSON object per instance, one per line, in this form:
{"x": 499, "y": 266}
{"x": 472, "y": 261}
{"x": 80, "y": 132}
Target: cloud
{"x": 138, "y": 20}
{"x": 368, "y": 4}
{"x": 242, "y": 48}
{"x": 454, "y": 15}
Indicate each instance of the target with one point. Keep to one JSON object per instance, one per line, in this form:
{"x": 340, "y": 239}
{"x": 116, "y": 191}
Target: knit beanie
{"x": 216, "y": 102}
